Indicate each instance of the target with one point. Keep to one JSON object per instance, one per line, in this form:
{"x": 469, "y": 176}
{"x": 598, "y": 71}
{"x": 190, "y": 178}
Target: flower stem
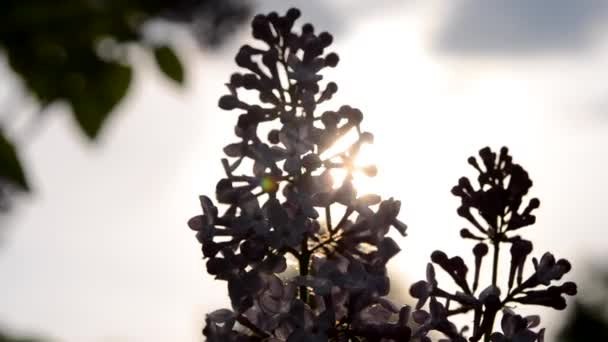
{"x": 328, "y": 220}
{"x": 495, "y": 263}
{"x": 496, "y": 244}
{"x": 247, "y": 323}
{"x": 304, "y": 261}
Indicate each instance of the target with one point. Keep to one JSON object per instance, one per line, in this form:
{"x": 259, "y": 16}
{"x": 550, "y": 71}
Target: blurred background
{"x": 110, "y": 130}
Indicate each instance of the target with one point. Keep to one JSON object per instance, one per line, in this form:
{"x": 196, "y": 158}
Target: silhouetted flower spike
{"x": 279, "y": 197}
{"x": 279, "y": 202}
{"x": 493, "y": 208}
{"x": 502, "y": 185}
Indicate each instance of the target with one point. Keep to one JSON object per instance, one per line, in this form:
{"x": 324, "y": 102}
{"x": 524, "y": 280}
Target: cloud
{"x": 518, "y": 27}
{"x": 319, "y": 13}
{"x": 331, "y": 16}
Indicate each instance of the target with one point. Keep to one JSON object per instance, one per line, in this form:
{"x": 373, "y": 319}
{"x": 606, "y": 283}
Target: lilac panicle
{"x": 279, "y": 200}
{"x": 304, "y": 254}
{"x": 493, "y": 208}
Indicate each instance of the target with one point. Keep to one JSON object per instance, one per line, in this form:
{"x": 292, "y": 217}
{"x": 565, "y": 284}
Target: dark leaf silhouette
{"x": 585, "y": 323}
{"x": 8, "y": 338}
{"x": 169, "y": 63}
{"x": 586, "y": 319}
{"x": 92, "y": 102}
{"x": 11, "y": 170}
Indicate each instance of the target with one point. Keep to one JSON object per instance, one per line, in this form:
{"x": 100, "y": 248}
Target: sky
{"x": 101, "y": 251}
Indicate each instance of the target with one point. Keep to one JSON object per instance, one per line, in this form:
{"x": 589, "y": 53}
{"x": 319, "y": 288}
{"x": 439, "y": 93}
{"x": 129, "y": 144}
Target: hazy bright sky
{"x": 101, "y": 250}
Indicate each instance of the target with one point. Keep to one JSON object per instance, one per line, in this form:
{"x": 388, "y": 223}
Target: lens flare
{"x": 269, "y": 184}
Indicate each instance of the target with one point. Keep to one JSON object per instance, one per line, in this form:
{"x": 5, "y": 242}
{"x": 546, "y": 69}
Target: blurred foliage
{"x": 587, "y": 321}
{"x": 6, "y": 338}
{"x": 74, "y": 51}
{"x": 11, "y": 168}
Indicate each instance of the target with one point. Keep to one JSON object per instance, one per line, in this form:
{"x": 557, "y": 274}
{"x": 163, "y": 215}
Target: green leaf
{"x": 94, "y": 103}
{"x": 169, "y": 63}
{"x": 10, "y": 167}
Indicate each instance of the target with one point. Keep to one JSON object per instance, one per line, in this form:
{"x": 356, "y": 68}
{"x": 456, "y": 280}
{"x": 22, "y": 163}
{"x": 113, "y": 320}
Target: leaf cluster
{"x": 74, "y": 51}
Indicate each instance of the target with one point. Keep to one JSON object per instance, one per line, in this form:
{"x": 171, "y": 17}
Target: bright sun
{"x": 365, "y": 158}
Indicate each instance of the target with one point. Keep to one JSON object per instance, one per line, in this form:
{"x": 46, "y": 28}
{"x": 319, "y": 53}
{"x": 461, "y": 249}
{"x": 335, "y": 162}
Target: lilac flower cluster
{"x": 494, "y": 209}
{"x": 279, "y": 203}
{"x": 285, "y": 207}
